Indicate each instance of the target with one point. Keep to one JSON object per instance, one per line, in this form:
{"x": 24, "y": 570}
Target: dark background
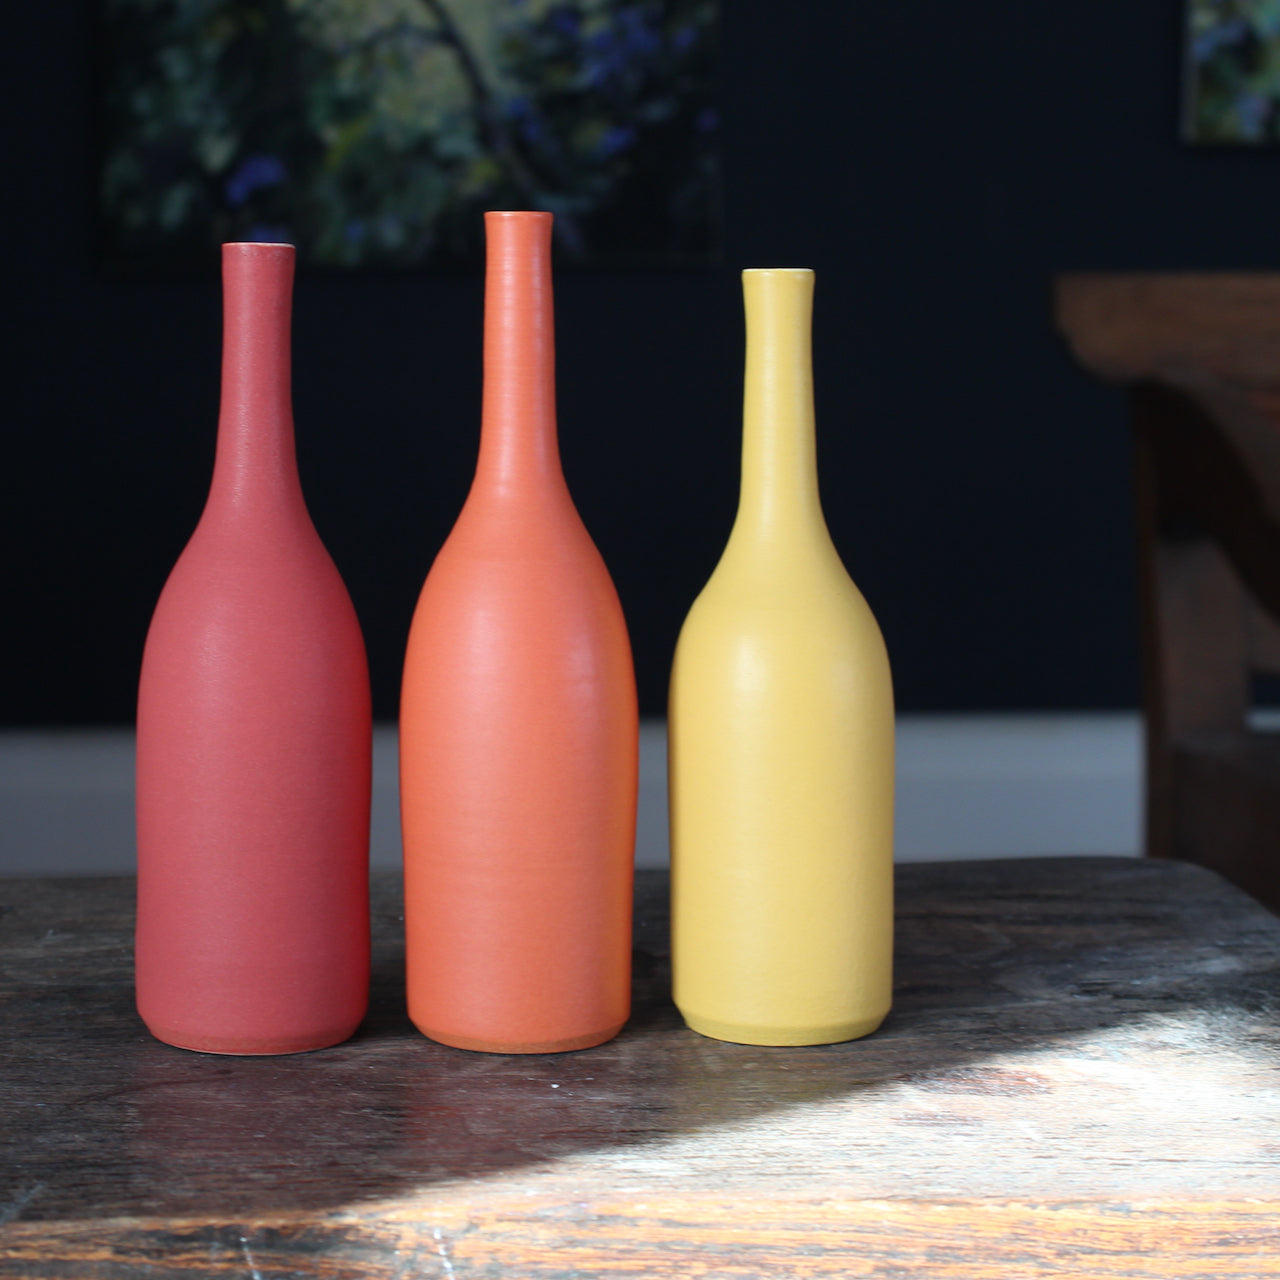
{"x": 936, "y": 163}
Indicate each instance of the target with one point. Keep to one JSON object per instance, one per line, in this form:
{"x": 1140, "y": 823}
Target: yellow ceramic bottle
{"x": 781, "y": 724}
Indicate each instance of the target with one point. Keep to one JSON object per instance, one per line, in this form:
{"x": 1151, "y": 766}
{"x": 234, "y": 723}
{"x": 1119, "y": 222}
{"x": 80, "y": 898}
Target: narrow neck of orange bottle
{"x": 518, "y": 421}
{"x": 256, "y": 461}
{"x": 779, "y": 500}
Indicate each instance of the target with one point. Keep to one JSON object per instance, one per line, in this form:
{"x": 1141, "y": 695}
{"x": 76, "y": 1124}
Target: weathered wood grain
{"x": 658, "y": 1239}
{"x": 1081, "y": 1076}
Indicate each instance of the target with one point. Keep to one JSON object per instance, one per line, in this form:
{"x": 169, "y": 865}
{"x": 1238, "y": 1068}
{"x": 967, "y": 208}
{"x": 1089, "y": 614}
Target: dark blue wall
{"x": 937, "y": 164}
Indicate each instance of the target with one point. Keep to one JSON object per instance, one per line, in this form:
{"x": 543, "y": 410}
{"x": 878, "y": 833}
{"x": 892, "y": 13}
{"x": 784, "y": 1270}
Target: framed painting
{"x": 1231, "y": 88}
{"x": 376, "y": 132}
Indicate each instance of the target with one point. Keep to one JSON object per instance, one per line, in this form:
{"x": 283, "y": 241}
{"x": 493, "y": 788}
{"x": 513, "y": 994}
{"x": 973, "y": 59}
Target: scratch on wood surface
{"x": 11, "y": 1211}
{"x": 993, "y": 1081}
{"x": 248, "y": 1257}
{"x": 442, "y": 1248}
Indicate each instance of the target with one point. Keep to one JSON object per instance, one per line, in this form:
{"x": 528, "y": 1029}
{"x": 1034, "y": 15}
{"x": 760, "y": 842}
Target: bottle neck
{"x": 779, "y": 503}
{"x": 518, "y": 420}
{"x": 256, "y": 462}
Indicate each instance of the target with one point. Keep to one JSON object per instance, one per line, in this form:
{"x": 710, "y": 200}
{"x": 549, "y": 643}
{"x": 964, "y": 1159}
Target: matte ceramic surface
{"x": 781, "y": 724}
{"x": 518, "y": 723}
{"x": 253, "y": 735}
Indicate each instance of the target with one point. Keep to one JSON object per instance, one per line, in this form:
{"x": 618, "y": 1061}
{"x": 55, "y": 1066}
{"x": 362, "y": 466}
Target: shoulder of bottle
{"x": 515, "y": 531}
{"x": 826, "y": 597}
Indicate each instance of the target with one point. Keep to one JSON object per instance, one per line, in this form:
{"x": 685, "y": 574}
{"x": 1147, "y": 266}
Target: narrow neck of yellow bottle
{"x": 779, "y": 505}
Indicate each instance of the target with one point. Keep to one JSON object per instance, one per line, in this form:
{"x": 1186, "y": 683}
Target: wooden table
{"x": 1199, "y": 356}
{"x": 1081, "y": 1077}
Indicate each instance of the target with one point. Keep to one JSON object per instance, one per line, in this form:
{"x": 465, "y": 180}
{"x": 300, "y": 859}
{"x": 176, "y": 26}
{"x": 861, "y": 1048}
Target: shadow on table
{"x": 992, "y": 958}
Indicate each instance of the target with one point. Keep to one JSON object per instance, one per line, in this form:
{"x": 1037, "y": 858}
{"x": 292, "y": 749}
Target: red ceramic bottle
{"x": 254, "y": 735}
{"x": 518, "y": 732}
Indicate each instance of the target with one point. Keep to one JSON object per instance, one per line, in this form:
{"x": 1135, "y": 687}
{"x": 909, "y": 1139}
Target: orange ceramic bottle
{"x": 253, "y": 735}
{"x": 518, "y": 731}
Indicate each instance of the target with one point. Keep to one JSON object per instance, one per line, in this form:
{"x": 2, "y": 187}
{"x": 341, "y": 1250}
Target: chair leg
{"x": 1226, "y": 808}
{"x": 1193, "y": 617}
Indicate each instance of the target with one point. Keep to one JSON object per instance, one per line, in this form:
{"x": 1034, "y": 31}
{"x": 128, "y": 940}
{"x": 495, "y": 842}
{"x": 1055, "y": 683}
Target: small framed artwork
{"x": 374, "y": 133}
{"x": 1231, "y": 87}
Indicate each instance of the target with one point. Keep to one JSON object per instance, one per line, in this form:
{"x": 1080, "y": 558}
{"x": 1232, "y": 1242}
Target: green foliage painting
{"x": 1233, "y": 71}
{"x": 376, "y": 132}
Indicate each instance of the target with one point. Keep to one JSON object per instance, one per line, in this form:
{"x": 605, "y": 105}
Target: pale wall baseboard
{"x": 994, "y": 786}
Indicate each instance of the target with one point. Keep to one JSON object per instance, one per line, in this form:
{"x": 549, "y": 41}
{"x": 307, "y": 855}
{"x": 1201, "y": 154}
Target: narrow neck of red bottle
{"x": 518, "y": 422}
{"x": 256, "y": 460}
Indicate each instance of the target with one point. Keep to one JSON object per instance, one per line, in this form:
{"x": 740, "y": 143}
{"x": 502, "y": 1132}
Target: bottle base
{"x": 481, "y": 1045}
{"x": 250, "y": 1047}
{"x": 741, "y": 1033}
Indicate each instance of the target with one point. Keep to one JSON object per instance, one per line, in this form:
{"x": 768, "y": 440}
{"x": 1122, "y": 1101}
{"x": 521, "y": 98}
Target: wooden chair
{"x": 1200, "y": 355}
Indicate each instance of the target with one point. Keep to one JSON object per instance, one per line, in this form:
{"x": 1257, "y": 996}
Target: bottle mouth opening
{"x": 532, "y": 215}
